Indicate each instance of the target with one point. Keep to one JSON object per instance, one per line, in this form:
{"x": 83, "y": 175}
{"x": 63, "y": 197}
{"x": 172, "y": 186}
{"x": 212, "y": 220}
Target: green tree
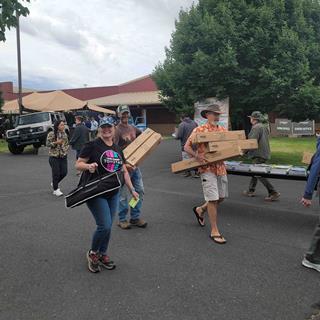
{"x": 262, "y": 54}
{"x": 8, "y": 19}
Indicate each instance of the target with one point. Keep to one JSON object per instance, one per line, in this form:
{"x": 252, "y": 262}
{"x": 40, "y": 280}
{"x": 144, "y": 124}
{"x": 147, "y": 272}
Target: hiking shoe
{"x": 105, "y": 262}
{"x": 93, "y": 261}
{"x": 273, "y": 196}
{"x": 138, "y": 223}
{"x": 125, "y": 225}
{"x": 57, "y": 193}
{"x": 249, "y": 193}
{"x": 307, "y": 263}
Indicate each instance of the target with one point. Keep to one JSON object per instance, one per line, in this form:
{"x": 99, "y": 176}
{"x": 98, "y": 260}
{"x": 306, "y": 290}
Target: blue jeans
{"x": 77, "y": 153}
{"x": 135, "y": 212}
{"x": 103, "y": 210}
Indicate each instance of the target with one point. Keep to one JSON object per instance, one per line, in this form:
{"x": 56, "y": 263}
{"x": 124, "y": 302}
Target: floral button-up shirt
{"x": 218, "y": 168}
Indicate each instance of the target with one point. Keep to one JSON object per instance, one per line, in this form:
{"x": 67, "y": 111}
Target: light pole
{"x": 19, "y": 63}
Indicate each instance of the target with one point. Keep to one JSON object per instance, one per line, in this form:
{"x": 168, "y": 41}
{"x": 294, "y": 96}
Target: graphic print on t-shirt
{"x": 111, "y": 161}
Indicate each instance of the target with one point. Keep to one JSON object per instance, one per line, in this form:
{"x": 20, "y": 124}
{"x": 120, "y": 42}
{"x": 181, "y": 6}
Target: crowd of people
{"x": 102, "y": 152}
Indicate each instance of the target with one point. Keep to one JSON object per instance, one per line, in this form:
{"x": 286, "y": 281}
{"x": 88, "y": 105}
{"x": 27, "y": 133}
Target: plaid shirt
{"x": 218, "y": 168}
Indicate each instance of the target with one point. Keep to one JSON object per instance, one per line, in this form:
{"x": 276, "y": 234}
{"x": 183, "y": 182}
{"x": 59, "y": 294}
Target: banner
{"x": 201, "y": 105}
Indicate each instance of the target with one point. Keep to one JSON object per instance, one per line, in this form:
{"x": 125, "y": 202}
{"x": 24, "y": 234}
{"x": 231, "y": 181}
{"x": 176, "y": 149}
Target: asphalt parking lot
{"x": 171, "y": 270}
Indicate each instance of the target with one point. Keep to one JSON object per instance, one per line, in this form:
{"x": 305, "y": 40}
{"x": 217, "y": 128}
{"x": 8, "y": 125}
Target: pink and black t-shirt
{"x": 109, "y": 158}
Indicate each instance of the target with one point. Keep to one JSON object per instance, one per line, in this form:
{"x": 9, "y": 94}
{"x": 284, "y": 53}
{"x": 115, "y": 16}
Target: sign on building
{"x": 201, "y": 105}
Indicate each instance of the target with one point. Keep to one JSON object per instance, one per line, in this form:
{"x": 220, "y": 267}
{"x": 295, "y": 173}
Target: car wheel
{"x": 14, "y": 149}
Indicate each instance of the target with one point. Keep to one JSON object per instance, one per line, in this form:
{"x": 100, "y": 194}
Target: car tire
{"x": 14, "y": 149}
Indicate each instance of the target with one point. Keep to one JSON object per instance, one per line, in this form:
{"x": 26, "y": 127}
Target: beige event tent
{"x": 51, "y": 101}
{"x": 13, "y": 105}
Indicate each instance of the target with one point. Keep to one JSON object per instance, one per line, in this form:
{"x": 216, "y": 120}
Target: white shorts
{"x": 214, "y": 187}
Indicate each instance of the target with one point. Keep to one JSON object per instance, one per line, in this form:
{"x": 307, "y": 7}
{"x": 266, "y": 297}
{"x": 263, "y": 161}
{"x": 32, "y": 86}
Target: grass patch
{"x": 3, "y": 146}
{"x": 288, "y": 151}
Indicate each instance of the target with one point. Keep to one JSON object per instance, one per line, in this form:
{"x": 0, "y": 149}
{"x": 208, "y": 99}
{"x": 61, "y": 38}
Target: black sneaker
{"x": 93, "y": 262}
{"x": 105, "y": 262}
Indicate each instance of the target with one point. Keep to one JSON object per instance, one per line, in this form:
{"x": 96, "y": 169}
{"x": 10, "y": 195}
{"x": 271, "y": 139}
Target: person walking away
{"x": 213, "y": 176}
{"x": 57, "y": 142}
{"x": 185, "y": 129}
{"x": 260, "y": 132}
{"x": 99, "y": 157}
{"x": 93, "y": 128}
{"x": 125, "y": 134}
{"x": 79, "y": 137}
{"x": 87, "y": 122}
{"x": 312, "y": 257}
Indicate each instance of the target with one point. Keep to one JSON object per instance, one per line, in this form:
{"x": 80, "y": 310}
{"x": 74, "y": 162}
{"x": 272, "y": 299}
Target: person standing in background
{"x": 125, "y": 134}
{"x": 80, "y": 135}
{"x": 93, "y": 128}
{"x": 260, "y": 132}
{"x": 184, "y": 131}
{"x": 57, "y": 142}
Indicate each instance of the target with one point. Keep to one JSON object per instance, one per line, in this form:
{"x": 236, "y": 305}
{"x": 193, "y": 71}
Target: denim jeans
{"x": 313, "y": 254}
{"x": 135, "y": 212}
{"x": 59, "y": 168}
{"x": 77, "y": 153}
{"x": 264, "y": 181}
{"x": 103, "y": 210}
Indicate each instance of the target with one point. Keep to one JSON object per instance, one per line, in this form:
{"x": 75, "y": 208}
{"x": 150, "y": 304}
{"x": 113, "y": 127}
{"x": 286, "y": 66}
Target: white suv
{"x": 32, "y": 129}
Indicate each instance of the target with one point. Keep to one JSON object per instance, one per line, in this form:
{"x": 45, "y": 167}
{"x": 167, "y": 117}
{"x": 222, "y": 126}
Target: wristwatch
{"x": 132, "y": 190}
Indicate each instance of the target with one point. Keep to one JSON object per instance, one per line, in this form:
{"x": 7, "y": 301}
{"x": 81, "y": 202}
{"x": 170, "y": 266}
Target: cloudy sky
{"x": 72, "y": 43}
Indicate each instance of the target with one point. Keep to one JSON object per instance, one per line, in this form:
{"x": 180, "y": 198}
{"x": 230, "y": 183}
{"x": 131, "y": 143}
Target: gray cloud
{"x": 97, "y": 42}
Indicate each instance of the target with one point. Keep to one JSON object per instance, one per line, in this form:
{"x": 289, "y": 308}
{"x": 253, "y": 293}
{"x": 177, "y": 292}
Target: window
{"x": 33, "y": 118}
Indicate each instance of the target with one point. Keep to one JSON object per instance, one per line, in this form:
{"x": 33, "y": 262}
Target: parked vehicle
{"x": 140, "y": 123}
{"x": 32, "y": 129}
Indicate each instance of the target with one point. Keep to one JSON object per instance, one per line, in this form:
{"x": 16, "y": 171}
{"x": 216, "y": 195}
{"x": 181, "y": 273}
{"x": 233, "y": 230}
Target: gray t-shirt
{"x": 184, "y": 130}
{"x": 260, "y": 132}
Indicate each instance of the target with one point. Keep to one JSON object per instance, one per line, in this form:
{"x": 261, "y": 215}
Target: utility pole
{"x": 19, "y": 63}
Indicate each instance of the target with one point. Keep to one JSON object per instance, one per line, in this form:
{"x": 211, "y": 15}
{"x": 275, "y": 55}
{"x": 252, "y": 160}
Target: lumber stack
{"x": 219, "y": 146}
{"x": 141, "y": 147}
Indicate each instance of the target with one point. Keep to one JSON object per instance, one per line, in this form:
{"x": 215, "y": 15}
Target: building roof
{"x": 129, "y": 98}
{"x": 143, "y": 86}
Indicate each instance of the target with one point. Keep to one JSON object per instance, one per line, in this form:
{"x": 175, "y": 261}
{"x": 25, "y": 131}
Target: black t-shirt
{"x": 109, "y": 158}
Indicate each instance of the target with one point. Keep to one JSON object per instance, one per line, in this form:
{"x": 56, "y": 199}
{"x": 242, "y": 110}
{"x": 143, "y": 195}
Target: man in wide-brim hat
{"x": 213, "y": 176}
{"x": 260, "y": 132}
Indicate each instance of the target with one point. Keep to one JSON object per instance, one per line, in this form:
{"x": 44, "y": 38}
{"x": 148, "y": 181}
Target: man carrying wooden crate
{"x": 213, "y": 176}
{"x": 260, "y": 155}
{"x": 125, "y": 134}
